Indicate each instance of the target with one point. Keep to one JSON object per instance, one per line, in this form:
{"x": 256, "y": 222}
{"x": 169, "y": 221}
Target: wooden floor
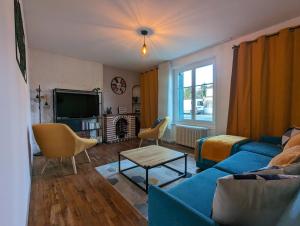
{"x": 62, "y": 199}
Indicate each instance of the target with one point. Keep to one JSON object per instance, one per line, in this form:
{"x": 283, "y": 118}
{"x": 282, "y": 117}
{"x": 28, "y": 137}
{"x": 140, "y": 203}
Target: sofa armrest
{"x": 198, "y": 148}
{"x": 271, "y": 140}
{"x": 165, "y": 209}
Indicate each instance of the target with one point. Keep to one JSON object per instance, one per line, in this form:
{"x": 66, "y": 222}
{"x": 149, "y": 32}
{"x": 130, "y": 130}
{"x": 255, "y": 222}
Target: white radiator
{"x": 187, "y": 135}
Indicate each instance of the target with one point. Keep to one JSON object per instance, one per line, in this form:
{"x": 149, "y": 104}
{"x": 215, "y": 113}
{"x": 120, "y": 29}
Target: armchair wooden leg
{"x": 87, "y": 155}
{"x": 156, "y": 141}
{"x": 141, "y": 143}
{"x": 74, "y": 165}
{"x": 44, "y": 167}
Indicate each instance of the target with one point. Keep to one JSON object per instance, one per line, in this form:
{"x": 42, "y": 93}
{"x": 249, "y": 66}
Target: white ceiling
{"x": 105, "y": 30}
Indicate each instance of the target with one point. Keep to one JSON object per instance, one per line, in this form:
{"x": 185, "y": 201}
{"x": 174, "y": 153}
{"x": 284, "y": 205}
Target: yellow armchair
{"x": 154, "y": 133}
{"x": 58, "y": 140}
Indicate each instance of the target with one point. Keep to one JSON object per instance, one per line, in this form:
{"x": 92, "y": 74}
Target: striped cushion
{"x": 290, "y": 132}
{"x": 262, "y": 177}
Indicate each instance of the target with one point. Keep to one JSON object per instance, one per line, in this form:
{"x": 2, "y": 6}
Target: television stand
{"x": 84, "y": 127}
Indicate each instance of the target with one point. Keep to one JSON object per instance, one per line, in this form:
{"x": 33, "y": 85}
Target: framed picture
{"x": 20, "y": 39}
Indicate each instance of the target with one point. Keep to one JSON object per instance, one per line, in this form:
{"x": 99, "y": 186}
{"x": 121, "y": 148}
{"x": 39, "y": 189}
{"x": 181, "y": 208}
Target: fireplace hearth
{"x": 121, "y": 128}
{"x": 118, "y": 127}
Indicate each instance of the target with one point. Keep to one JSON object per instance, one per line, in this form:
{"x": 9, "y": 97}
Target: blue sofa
{"x": 190, "y": 202}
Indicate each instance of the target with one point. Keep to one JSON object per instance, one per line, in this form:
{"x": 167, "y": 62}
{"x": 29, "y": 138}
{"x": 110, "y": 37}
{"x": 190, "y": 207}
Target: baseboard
{"x": 168, "y": 142}
{"x": 29, "y": 196}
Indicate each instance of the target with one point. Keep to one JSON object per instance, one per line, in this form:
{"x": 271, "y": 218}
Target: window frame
{"x": 193, "y": 67}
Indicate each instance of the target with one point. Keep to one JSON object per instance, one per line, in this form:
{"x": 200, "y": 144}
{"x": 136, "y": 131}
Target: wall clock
{"x": 118, "y": 85}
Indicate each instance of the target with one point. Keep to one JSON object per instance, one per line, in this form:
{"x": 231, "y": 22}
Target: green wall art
{"x": 20, "y": 39}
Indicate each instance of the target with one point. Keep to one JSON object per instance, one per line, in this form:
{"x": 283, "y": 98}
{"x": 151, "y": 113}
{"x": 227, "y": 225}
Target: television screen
{"x": 77, "y": 105}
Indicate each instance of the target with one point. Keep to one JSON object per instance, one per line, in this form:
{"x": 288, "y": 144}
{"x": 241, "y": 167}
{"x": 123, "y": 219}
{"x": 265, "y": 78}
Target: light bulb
{"x": 144, "y": 49}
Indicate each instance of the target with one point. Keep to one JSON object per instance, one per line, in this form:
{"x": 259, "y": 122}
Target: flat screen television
{"x": 76, "y": 105}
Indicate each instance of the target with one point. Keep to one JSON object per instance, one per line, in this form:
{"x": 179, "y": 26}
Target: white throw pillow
{"x": 253, "y": 200}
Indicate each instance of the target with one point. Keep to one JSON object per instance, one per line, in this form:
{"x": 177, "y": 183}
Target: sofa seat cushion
{"x": 242, "y": 162}
{"x": 270, "y": 150}
{"x": 198, "y": 191}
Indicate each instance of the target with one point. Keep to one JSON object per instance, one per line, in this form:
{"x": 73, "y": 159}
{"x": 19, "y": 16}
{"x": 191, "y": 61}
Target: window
{"x": 196, "y": 94}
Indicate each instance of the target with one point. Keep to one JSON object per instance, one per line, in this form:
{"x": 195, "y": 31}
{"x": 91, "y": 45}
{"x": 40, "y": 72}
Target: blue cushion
{"x": 198, "y": 191}
{"x": 271, "y": 140}
{"x": 156, "y": 122}
{"x": 242, "y": 162}
{"x": 291, "y": 216}
{"x": 261, "y": 148}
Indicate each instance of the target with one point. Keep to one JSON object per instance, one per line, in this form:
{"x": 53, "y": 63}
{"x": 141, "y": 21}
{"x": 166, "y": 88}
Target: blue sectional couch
{"x": 190, "y": 202}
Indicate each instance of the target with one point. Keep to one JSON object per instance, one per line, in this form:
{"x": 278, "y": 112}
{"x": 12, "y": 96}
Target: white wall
{"x": 165, "y": 90}
{"x": 15, "y": 125}
{"x": 223, "y": 55}
{"x": 56, "y": 71}
{"x": 109, "y": 97}
{"x": 165, "y": 98}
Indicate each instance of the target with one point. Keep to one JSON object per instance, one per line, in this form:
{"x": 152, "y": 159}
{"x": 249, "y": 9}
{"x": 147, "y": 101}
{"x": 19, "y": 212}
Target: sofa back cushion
{"x": 261, "y": 148}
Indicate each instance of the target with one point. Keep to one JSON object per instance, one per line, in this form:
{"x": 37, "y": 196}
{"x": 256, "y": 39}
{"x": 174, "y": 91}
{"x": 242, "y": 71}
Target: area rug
{"x": 133, "y": 194}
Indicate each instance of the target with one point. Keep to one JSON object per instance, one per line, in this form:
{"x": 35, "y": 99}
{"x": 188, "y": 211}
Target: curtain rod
{"x": 268, "y": 36}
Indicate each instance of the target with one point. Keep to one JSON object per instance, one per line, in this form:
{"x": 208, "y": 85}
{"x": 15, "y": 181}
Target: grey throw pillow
{"x": 250, "y": 199}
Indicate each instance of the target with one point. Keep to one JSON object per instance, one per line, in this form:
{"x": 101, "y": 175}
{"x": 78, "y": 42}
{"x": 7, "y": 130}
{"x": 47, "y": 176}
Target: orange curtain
{"x": 265, "y": 86}
{"x": 149, "y": 95}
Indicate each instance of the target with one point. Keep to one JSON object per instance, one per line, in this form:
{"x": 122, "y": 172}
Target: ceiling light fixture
{"x": 144, "y": 47}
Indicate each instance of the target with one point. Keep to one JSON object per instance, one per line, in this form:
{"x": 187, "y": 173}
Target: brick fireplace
{"x": 118, "y": 128}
